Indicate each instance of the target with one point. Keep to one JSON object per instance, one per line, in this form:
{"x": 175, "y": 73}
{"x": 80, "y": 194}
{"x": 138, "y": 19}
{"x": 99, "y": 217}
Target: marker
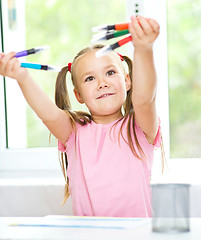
{"x": 107, "y": 36}
{"x": 118, "y": 26}
{"x": 111, "y": 47}
{"x": 31, "y": 51}
{"x": 64, "y": 226}
{"x": 40, "y": 67}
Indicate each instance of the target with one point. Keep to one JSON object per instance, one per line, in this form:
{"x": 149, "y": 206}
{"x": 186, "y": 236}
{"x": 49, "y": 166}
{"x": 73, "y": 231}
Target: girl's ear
{"x": 78, "y": 96}
{"x": 127, "y": 82}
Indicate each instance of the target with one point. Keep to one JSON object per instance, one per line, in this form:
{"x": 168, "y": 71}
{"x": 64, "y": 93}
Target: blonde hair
{"x": 62, "y": 101}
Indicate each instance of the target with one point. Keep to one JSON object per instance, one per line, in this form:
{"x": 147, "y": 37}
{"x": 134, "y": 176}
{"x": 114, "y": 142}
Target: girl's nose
{"x": 102, "y": 84}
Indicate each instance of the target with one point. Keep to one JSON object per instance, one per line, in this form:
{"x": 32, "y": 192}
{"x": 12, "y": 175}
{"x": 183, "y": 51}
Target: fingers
{"x": 7, "y": 63}
{"x": 12, "y": 65}
{"x": 155, "y": 26}
{"x": 143, "y": 30}
{"x": 135, "y": 28}
{"x": 145, "y": 25}
{"x": 2, "y": 55}
{"x": 6, "y": 57}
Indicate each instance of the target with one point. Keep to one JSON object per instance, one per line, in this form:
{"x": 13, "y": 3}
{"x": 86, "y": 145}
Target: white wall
{"x": 33, "y": 194}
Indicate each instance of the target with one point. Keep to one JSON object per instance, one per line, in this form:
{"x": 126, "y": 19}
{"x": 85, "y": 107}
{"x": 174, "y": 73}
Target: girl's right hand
{"x": 144, "y": 32}
{"x": 11, "y": 67}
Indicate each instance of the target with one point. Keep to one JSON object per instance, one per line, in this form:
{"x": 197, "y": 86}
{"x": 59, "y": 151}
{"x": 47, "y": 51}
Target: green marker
{"x": 107, "y": 36}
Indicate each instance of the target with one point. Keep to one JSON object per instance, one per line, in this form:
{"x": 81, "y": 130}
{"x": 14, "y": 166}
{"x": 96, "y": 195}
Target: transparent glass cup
{"x": 170, "y": 208}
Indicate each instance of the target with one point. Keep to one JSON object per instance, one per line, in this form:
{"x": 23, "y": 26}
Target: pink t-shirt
{"x": 105, "y": 178}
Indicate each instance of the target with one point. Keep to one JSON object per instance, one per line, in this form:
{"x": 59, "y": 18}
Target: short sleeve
{"x": 158, "y": 139}
{"x": 61, "y": 147}
{"x": 69, "y": 142}
{"x": 142, "y": 137}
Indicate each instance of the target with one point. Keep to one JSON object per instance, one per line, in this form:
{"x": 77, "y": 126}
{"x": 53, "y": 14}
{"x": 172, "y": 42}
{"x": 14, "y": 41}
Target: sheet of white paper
{"x": 67, "y": 227}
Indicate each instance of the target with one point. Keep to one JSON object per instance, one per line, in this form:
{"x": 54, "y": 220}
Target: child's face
{"x": 101, "y": 83}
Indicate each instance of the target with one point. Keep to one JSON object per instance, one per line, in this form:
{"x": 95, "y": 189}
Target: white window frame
{"x": 12, "y": 159}
{"x": 179, "y": 170}
{"x": 156, "y": 9}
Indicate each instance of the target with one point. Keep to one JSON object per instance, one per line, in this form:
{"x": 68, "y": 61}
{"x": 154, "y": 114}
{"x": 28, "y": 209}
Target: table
{"x": 88, "y": 228}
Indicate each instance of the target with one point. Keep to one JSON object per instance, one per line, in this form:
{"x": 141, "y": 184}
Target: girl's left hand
{"x": 144, "y": 31}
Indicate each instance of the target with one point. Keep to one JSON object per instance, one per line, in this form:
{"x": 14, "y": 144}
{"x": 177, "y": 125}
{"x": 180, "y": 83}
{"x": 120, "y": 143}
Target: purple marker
{"x": 30, "y": 51}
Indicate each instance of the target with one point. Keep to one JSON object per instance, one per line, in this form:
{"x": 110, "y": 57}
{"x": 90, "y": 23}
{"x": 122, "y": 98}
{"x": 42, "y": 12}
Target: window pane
{"x": 184, "y": 34}
{"x": 66, "y": 27}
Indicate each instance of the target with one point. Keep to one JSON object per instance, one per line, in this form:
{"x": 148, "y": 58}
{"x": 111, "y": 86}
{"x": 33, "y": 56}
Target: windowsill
{"x": 176, "y": 170}
{"x": 39, "y": 177}
{"x": 33, "y": 193}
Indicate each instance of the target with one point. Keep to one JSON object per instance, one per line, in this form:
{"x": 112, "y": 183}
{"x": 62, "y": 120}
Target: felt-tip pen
{"x": 30, "y": 51}
{"x": 118, "y": 26}
{"x": 64, "y": 226}
{"x": 111, "y": 47}
{"x": 107, "y": 36}
{"x": 40, "y": 67}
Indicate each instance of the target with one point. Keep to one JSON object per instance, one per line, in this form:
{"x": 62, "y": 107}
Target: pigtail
{"x": 61, "y": 94}
{"x": 128, "y": 106}
{"x": 62, "y": 100}
{"x": 129, "y": 112}
{"x": 130, "y": 65}
{"x": 64, "y": 166}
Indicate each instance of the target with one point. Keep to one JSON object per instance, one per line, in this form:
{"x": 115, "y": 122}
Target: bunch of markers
{"x": 35, "y": 65}
{"x": 107, "y": 32}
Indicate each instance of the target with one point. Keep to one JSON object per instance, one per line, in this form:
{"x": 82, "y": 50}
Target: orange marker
{"x": 118, "y": 26}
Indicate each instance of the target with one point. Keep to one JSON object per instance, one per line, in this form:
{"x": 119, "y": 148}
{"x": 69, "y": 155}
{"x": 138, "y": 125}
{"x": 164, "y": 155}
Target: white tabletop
{"x": 87, "y": 228}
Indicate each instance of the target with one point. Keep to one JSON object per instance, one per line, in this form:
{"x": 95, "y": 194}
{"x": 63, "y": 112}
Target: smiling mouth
{"x": 105, "y": 95}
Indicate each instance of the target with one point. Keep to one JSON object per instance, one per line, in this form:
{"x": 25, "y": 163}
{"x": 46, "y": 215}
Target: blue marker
{"x": 64, "y": 226}
{"x": 40, "y": 67}
{"x": 30, "y": 51}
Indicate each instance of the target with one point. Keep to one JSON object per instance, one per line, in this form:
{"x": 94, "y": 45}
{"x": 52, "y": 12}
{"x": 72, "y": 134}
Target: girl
{"x": 110, "y": 149}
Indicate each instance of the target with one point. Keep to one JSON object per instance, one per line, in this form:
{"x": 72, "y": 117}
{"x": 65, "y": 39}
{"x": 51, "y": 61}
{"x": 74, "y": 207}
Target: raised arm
{"x": 56, "y": 120}
{"x": 144, "y": 33}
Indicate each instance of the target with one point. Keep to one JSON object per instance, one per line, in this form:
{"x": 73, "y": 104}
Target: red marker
{"x": 113, "y": 46}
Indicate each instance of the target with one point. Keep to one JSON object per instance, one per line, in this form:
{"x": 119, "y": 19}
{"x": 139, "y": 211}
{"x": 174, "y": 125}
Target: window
{"x": 184, "y": 61}
{"x": 184, "y": 78}
{"x": 53, "y": 23}
{"x": 24, "y": 139}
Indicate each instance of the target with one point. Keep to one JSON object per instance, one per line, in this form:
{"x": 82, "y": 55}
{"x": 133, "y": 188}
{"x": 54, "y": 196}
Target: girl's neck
{"x": 105, "y": 119}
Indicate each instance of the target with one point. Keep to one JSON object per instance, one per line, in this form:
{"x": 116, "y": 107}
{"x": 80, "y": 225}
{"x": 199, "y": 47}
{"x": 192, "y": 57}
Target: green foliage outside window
{"x": 184, "y": 51}
{"x": 65, "y": 26}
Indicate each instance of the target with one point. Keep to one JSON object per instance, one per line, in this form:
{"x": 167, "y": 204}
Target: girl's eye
{"x": 110, "y": 72}
{"x": 89, "y": 79}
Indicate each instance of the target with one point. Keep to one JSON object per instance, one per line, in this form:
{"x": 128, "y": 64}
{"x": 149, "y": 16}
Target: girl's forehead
{"x": 90, "y": 59}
